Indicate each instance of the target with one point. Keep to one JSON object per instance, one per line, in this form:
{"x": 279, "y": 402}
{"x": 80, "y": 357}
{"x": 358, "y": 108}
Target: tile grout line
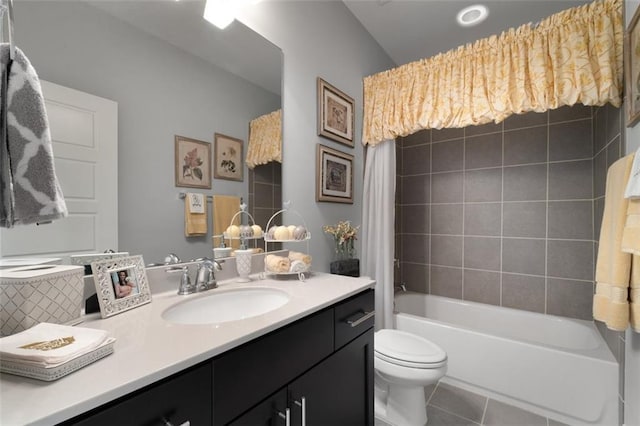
{"x": 430, "y": 209}
{"x": 546, "y": 219}
{"x": 501, "y": 220}
{"x": 484, "y": 412}
{"x": 464, "y": 188}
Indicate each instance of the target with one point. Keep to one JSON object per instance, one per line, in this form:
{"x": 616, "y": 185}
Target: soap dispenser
{"x": 223, "y": 250}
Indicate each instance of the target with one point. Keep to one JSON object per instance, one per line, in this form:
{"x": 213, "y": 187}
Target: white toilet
{"x": 404, "y": 364}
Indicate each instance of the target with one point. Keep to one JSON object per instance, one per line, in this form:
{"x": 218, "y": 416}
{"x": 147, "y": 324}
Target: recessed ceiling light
{"x": 472, "y": 15}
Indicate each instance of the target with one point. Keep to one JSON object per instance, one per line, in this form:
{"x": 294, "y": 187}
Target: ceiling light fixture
{"x": 472, "y": 15}
{"x": 222, "y": 12}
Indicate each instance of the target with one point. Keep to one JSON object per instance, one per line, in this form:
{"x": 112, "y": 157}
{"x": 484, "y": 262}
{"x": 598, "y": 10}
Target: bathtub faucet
{"x": 401, "y": 287}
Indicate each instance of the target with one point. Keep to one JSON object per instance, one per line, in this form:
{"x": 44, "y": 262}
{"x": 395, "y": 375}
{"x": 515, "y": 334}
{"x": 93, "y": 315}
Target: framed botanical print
{"x": 192, "y": 163}
{"x": 335, "y": 114}
{"x": 334, "y": 175}
{"x": 227, "y": 163}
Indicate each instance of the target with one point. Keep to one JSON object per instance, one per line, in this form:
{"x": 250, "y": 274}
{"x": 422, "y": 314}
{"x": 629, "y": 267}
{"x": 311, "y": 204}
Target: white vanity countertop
{"x": 149, "y": 348}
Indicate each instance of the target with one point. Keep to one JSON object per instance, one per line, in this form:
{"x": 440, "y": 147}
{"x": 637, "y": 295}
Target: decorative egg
{"x": 257, "y": 231}
{"x": 233, "y": 231}
{"x": 299, "y": 233}
{"x": 246, "y": 231}
{"x": 291, "y": 228}
{"x": 282, "y": 233}
{"x": 271, "y": 233}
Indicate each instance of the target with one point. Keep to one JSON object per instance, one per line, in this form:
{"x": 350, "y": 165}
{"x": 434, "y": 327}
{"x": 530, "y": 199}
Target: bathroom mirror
{"x": 170, "y": 73}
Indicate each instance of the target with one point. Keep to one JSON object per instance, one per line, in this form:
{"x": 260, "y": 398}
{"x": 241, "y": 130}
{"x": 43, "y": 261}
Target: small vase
{"x": 243, "y": 265}
{"x": 345, "y": 250}
{"x": 344, "y": 262}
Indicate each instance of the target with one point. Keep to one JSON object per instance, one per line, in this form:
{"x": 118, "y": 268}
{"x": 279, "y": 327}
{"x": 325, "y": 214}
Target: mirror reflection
{"x": 122, "y": 79}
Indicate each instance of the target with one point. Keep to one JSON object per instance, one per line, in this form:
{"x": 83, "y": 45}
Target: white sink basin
{"x": 224, "y": 306}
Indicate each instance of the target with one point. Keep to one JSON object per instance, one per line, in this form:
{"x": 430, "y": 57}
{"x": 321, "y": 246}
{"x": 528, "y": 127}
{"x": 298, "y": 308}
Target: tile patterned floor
{"x": 451, "y": 406}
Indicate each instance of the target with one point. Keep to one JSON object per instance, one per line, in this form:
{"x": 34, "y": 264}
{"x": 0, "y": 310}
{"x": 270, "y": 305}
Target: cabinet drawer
{"x": 352, "y": 317}
{"x": 185, "y": 397}
{"x": 246, "y": 375}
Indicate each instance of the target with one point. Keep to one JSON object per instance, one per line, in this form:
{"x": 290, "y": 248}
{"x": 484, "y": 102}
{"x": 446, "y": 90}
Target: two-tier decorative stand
{"x": 300, "y": 264}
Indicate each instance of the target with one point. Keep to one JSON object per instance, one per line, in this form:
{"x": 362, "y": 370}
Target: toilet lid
{"x": 402, "y": 348}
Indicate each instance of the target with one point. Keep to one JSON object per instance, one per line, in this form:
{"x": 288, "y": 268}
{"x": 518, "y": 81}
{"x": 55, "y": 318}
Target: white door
{"x": 84, "y": 130}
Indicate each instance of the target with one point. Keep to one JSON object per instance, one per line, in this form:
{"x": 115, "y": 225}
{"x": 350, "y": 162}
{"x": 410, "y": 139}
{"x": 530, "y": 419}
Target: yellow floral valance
{"x": 265, "y": 139}
{"x": 574, "y": 56}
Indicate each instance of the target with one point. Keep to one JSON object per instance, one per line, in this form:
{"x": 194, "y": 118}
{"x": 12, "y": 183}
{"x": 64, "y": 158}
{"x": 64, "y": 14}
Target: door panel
{"x": 84, "y": 131}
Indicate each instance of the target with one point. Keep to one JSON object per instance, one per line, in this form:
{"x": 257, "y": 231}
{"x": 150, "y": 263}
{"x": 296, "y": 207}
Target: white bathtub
{"x": 553, "y": 366}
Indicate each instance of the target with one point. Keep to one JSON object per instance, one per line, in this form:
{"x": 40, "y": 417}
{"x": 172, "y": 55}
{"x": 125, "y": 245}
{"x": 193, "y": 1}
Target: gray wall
{"x": 161, "y": 91}
{"x": 501, "y": 214}
{"x": 319, "y": 39}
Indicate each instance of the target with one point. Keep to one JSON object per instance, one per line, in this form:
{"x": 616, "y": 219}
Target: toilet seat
{"x": 408, "y": 350}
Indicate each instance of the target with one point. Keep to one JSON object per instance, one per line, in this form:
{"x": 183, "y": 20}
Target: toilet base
{"x": 400, "y": 405}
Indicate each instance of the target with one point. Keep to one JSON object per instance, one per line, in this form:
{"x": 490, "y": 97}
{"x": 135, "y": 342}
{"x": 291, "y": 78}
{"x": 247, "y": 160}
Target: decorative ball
{"x": 271, "y": 233}
{"x": 257, "y": 231}
{"x": 300, "y": 233}
{"x": 246, "y": 231}
{"x": 233, "y": 231}
{"x": 282, "y": 233}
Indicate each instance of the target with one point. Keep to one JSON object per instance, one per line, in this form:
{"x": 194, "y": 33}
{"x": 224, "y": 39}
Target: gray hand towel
{"x": 32, "y": 181}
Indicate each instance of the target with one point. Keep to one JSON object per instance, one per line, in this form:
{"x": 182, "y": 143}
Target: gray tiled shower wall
{"x": 504, "y": 213}
{"x": 265, "y": 192}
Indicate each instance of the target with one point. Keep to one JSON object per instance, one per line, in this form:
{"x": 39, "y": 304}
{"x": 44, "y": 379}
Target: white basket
{"x": 34, "y": 294}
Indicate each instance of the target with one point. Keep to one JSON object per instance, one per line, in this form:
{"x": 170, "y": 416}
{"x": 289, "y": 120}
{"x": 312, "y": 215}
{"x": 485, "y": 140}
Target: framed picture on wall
{"x": 334, "y": 175}
{"x": 632, "y": 70}
{"x": 227, "y": 162}
{"x": 335, "y": 114}
{"x": 192, "y": 163}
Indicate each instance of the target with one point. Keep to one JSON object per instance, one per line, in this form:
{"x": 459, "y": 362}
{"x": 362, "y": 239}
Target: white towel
{"x": 47, "y": 343}
{"x": 633, "y": 185}
{"x": 30, "y": 180}
{"x": 196, "y": 202}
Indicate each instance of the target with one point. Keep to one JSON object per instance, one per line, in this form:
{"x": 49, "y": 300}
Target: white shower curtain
{"x": 378, "y": 231}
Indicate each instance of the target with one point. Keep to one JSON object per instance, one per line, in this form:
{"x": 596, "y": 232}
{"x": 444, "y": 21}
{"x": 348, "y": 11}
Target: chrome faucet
{"x": 205, "y": 277}
{"x": 185, "y": 281}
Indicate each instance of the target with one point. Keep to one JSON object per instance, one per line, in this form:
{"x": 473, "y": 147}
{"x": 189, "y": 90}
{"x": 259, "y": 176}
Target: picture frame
{"x": 192, "y": 163}
{"x": 85, "y": 259}
{"x": 228, "y": 160}
{"x": 334, "y": 175}
{"x": 336, "y": 117}
{"x": 632, "y": 69}
{"x": 114, "y": 297}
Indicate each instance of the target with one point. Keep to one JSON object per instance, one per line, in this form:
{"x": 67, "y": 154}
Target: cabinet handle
{"x": 363, "y": 318}
{"x": 302, "y": 404}
{"x": 168, "y": 423}
{"x": 286, "y": 416}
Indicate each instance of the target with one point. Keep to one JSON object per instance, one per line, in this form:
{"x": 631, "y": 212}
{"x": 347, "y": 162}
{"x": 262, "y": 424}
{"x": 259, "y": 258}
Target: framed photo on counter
{"x": 121, "y": 284}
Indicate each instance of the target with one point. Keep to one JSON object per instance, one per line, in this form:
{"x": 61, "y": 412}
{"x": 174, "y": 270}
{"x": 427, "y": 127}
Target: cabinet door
{"x": 338, "y": 391}
{"x": 185, "y": 397}
{"x": 271, "y": 412}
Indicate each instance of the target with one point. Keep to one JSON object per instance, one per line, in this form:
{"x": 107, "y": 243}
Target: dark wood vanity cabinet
{"x": 319, "y": 368}
{"x": 183, "y": 397}
{"x": 336, "y": 386}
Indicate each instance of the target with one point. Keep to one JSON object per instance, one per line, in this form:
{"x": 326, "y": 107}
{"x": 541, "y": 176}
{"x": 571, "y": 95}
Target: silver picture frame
{"x": 121, "y": 284}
